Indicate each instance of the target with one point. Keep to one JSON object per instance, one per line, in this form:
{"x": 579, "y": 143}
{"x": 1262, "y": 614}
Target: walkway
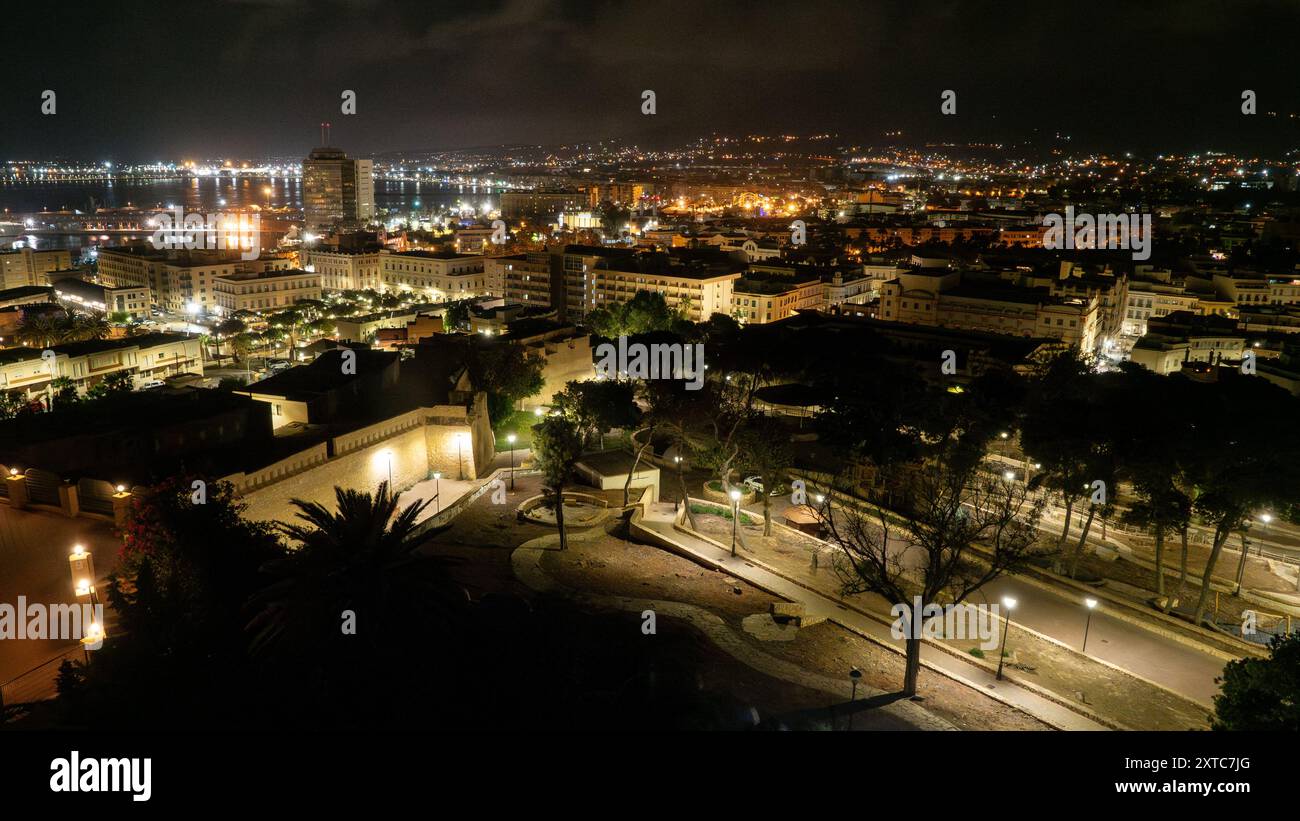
{"x": 659, "y": 519}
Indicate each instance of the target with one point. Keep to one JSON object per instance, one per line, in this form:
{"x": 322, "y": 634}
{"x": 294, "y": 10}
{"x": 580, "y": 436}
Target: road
{"x": 1061, "y": 616}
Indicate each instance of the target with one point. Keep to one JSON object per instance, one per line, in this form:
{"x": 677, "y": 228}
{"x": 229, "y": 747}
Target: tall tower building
{"x": 337, "y": 191}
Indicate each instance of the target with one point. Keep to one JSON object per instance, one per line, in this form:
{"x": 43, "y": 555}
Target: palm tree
{"x": 42, "y": 329}
{"x": 87, "y": 326}
{"x": 359, "y": 558}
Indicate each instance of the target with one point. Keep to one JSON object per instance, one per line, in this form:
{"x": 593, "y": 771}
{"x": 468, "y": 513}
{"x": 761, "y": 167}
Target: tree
{"x": 599, "y": 406}
{"x": 178, "y": 649}
{"x": 1060, "y": 432}
{"x": 505, "y": 371}
{"x": 1238, "y": 468}
{"x": 65, "y": 391}
{"x": 242, "y": 345}
{"x": 645, "y": 312}
{"x": 359, "y": 557}
{"x": 1261, "y": 694}
{"x": 457, "y": 315}
{"x": 765, "y": 450}
{"x": 11, "y": 404}
{"x": 557, "y": 446}
{"x": 947, "y": 507}
{"x": 115, "y": 384}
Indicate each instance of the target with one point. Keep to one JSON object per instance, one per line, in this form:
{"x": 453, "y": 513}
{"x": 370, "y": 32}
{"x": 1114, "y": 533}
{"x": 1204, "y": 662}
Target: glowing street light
{"x": 511, "y": 440}
{"x": 437, "y": 491}
{"x": 735, "y": 517}
{"x": 1010, "y": 604}
{"x": 1091, "y": 603}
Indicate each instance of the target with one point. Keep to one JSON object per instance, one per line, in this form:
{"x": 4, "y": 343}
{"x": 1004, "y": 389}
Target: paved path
{"x": 1061, "y": 615}
{"x": 659, "y": 518}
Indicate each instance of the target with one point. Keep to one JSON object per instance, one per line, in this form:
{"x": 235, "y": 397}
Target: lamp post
{"x": 854, "y": 675}
{"x": 460, "y": 457}
{"x": 1091, "y": 603}
{"x": 437, "y": 492}
{"x": 1265, "y": 518}
{"x": 1004, "y": 436}
{"x": 1010, "y": 604}
{"x": 388, "y": 457}
{"x": 735, "y": 517}
{"x": 511, "y": 440}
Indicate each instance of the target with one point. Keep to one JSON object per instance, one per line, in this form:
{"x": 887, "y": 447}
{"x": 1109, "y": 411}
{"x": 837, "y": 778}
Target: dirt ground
{"x": 616, "y": 567}
{"x": 484, "y": 535}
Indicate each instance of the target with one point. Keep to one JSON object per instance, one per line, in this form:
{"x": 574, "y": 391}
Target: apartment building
{"x": 697, "y": 291}
{"x": 28, "y": 266}
{"x": 1152, "y": 300}
{"x": 1185, "y": 338}
{"x": 541, "y": 204}
{"x": 264, "y": 290}
{"x": 939, "y": 297}
{"x": 130, "y": 300}
{"x": 440, "y": 275}
{"x": 756, "y": 299}
{"x": 146, "y": 357}
{"x": 343, "y": 269}
{"x": 180, "y": 281}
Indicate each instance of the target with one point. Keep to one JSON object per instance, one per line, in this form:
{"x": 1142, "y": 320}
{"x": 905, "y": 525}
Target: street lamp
{"x": 388, "y": 457}
{"x": 1004, "y": 436}
{"x": 1091, "y": 603}
{"x": 854, "y": 675}
{"x": 511, "y": 440}
{"x": 1009, "y": 475}
{"x": 94, "y": 637}
{"x": 1010, "y": 604}
{"x": 1265, "y": 518}
{"x": 437, "y": 492}
{"x": 735, "y": 517}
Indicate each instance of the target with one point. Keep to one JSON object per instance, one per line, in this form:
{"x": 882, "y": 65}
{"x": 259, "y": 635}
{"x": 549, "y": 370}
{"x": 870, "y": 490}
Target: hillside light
{"x": 1010, "y": 604}
{"x": 94, "y": 635}
{"x": 854, "y": 675}
{"x": 1009, "y": 475}
{"x": 735, "y": 517}
{"x": 511, "y": 440}
{"x": 537, "y": 411}
{"x": 1091, "y": 604}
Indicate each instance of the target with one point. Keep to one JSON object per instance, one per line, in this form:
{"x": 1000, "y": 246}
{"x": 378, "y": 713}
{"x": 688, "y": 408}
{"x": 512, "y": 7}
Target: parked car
{"x": 755, "y": 483}
{"x": 152, "y": 384}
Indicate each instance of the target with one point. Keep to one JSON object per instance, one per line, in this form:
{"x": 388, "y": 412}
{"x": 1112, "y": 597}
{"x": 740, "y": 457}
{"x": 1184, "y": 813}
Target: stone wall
{"x": 446, "y": 439}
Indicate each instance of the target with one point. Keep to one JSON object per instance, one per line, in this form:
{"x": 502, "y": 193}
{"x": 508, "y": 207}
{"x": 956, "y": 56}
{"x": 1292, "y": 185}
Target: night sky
{"x": 140, "y": 81}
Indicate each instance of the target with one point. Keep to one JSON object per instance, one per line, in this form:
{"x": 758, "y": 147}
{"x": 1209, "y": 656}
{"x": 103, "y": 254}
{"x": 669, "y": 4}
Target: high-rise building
{"x": 337, "y": 191}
